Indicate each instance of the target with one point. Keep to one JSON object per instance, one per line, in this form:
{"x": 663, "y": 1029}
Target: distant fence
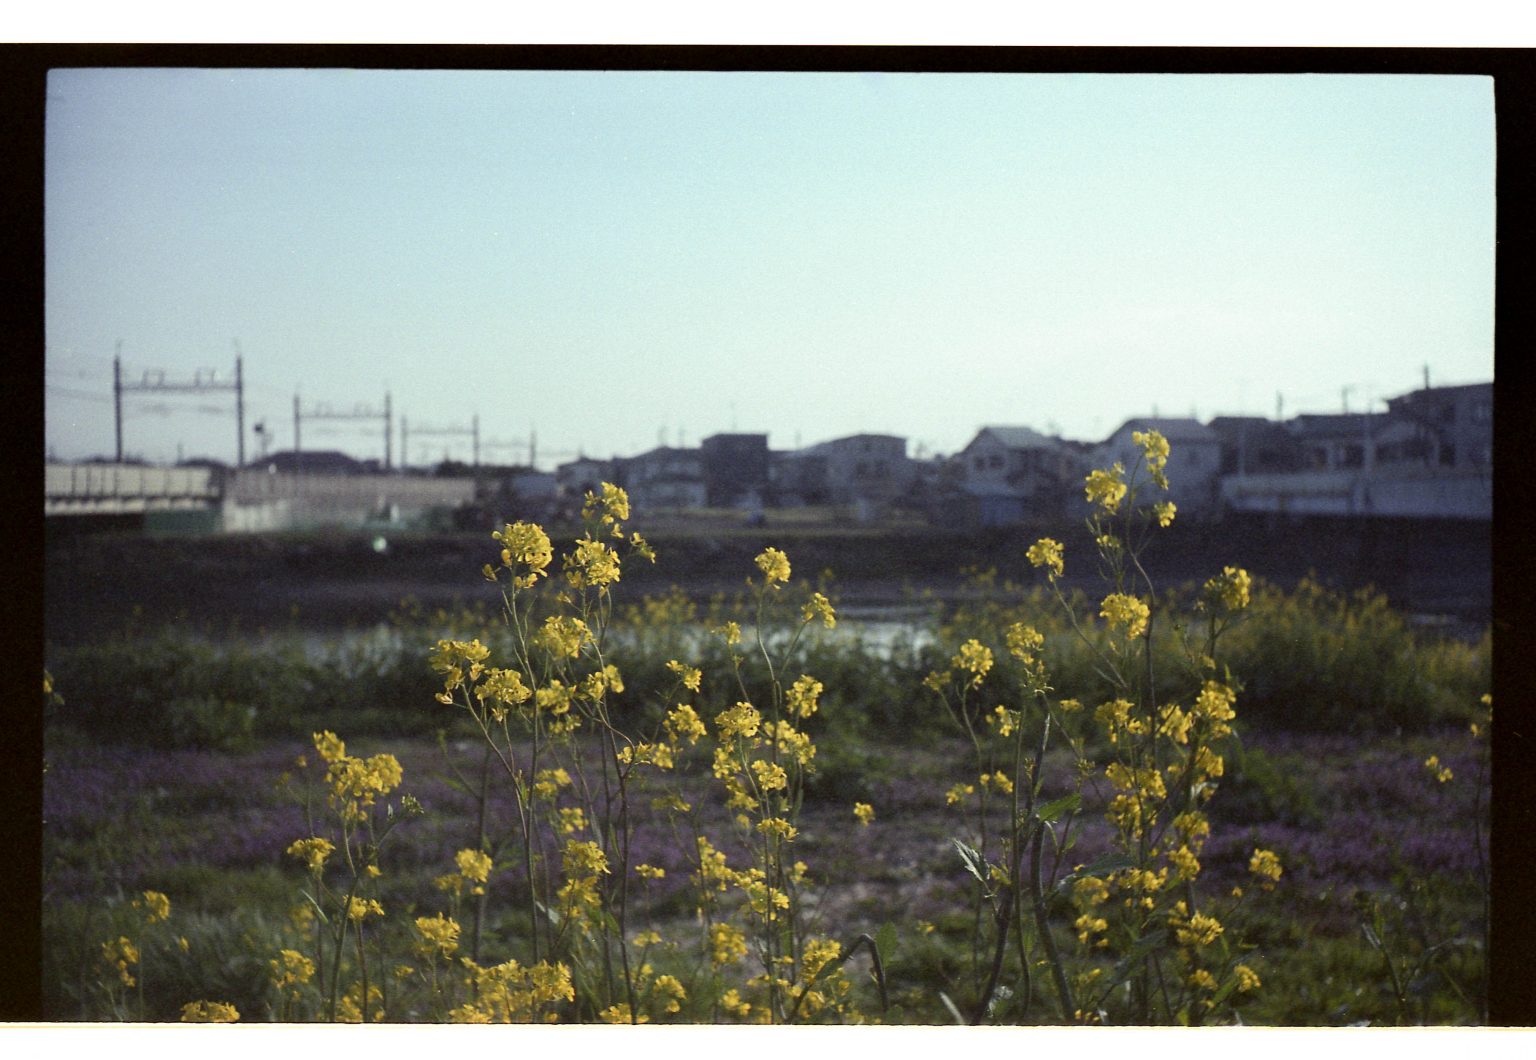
{"x": 244, "y": 501}
{"x": 1424, "y": 493}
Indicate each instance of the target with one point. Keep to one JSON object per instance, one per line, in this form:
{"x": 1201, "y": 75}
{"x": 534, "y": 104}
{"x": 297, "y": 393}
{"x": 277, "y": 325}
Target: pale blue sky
{"x": 604, "y": 257}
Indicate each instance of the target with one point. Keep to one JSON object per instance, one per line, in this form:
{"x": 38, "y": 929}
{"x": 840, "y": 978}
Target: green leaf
{"x": 953, "y": 1011}
{"x": 1100, "y": 866}
{"x": 1140, "y": 951}
{"x": 885, "y": 940}
{"x": 974, "y": 862}
{"x": 1053, "y": 810}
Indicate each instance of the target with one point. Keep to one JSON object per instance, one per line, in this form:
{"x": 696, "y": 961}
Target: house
{"x": 870, "y": 468}
{"x": 735, "y": 469}
{"x": 1194, "y": 459}
{"x": 663, "y": 477}
{"x": 1447, "y": 426}
{"x": 799, "y": 478}
{"x": 1335, "y": 441}
{"x": 1429, "y": 456}
{"x": 576, "y": 478}
{"x": 311, "y": 461}
{"x": 1011, "y": 473}
{"x": 1254, "y": 445}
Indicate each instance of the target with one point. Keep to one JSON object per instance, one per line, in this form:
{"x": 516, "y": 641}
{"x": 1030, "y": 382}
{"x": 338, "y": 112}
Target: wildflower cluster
{"x": 1164, "y": 761}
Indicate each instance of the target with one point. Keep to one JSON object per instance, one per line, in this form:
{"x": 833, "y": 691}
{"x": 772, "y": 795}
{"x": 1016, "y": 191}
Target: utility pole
{"x": 473, "y": 430}
{"x": 239, "y": 408}
{"x": 117, "y": 397}
{"x": 359, "y": 412}
{"x": 198, "y": 385}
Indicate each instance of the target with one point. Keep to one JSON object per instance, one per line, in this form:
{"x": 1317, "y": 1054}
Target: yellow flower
{"x": 120, "y": 953}
{"x": 742, "y": 720}
{"x": 562, "y": 637}
{"x": 1047, "y": 552}
{"x": 209, "y": 1012}
{"x": 609, "y": 505}
{"x": 726, "y": 944}
{"x": 731, "y": 631}
{"x": 474, "y": 865}
{"x": 650, "y": 872}
{"x": 584, "y": 858}
{"x": 1231, "y": 588}
{"x": 864, "y": 812}
{"x": 1198, "y": 930}
{"x": 330, "y": 746}
{"x": 998, "y": 780}
{"x": 1106, "y": 488}
{"x": 690, "y": 676}
{"x": 669, "y": 987}
{"x": 684, "y": 723}
{"x": 1202, "y": 980}
{"x": 731, "y": 1001}
{"x": 527, "y": 545}
{"x": 312, "y": 851}
{"x": 1002, "y": 720}
{"x": 770, "y": 775}
{"x": 439, "y": 936}
{"x": 548, "y": 782}
{"x": 620, "y": 1013}
{"x": 360, "y": 908}
{"x": 291, "y": 968}
{"x": 802, "y": 697}
{"x": 1128, "y": 611}
{"x": 1154, "y": 448}
{"x": 774, "y": 565}
{"x": 820, "y": 606}
{"x": 1164, "y": 510}
{"x": 1023, "y": 641}
{"x": 1247, "y": 979}
{"x": 958, "y": 793}
{"x": 779, "y": 827}
{"x": 1441, "y": 773}
{"x": 1265, "y": 864}
{"x": 975, "y": 657}
{"x": 156, "y": 906}
{"x": 592, "y": 563}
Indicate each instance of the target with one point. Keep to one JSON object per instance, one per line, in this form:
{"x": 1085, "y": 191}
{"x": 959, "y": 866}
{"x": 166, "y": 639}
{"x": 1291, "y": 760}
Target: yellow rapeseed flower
{"x": 156, "y": 906}
{"x": 1265, "y": 864}
{"x": 1106, "y": 487}
{"x": 312, "y": 851}
{"x": 209, "y": 1012}
{"x": 1047, "y": 552}
{"x": 473, "y": 865}
{"x": 803, "y": 696}
{"x": 820, "y": 606}
{"x": 864, "y": 812}
{"x": 774, "y": 564}
{"x": 690, "y": 676}
{"x": 1120, "y": 609}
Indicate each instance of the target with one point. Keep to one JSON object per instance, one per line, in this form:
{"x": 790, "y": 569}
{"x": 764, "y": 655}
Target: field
{"x": 943, "y": 849}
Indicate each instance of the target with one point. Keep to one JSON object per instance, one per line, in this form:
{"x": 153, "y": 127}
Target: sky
{"x": 607, "y": 261}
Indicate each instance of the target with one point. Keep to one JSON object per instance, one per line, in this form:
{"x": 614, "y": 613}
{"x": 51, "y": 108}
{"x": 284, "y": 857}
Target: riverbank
{"x": 99, "y": 584}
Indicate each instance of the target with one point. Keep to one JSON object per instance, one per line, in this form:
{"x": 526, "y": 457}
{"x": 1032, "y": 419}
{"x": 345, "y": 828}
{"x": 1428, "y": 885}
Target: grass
{"x": 165, "y": 754}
